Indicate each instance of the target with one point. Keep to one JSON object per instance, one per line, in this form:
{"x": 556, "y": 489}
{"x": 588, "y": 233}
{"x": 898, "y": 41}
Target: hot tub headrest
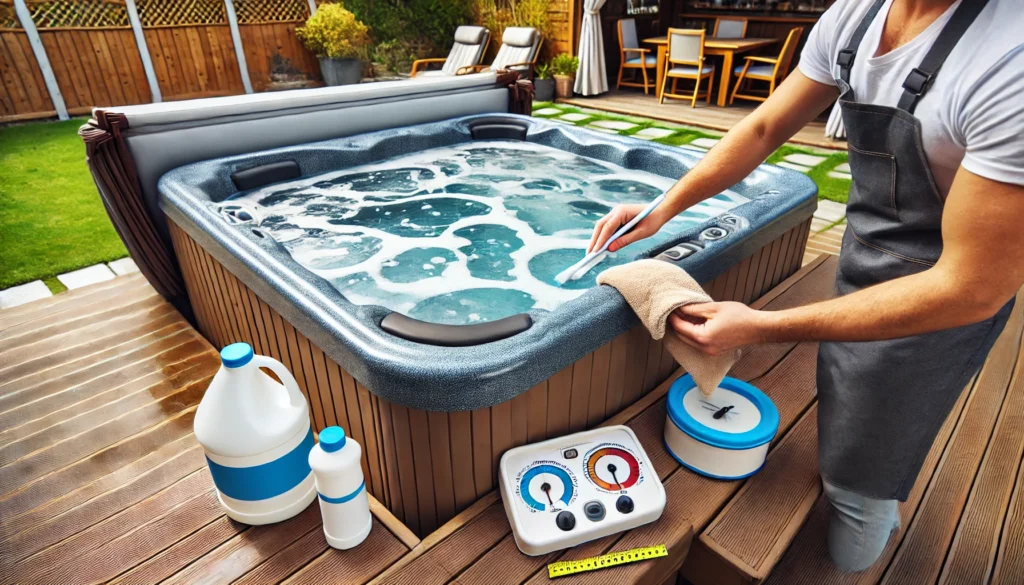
{"x": 519, "y": 36}
{"x": 470, "y": 35}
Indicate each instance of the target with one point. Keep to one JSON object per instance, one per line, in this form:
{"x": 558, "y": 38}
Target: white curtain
{"x": 590, "y": 77}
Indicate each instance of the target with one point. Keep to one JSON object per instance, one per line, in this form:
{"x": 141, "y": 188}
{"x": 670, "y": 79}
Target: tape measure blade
{"x": 563, "y": 568}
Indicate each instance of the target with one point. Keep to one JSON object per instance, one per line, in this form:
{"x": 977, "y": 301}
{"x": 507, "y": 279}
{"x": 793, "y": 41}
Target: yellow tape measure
{"x": 563, "y": 568}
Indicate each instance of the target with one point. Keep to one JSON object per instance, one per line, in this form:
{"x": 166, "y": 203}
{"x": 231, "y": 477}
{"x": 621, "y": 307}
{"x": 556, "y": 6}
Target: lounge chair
{"x": 469, "y": 48}
{"x": 520, "y": 46}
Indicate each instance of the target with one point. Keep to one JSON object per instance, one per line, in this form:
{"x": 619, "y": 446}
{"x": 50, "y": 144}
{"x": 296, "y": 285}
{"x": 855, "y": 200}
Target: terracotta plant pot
{"x": 341, "y": 71}
{"x": 544, "y": 90}
{"x": 563, "y": 85}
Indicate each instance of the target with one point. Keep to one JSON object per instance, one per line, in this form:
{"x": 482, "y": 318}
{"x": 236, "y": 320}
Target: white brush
{"x": 577, "y": 270}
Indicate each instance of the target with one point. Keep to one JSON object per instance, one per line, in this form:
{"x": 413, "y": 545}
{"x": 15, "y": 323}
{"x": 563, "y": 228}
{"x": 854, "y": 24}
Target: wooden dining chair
{"x": 685, "y": 60}
{"x": 730, "y": 28}
{"x": 632, "y": 56}
{"x": 770, "y": 69}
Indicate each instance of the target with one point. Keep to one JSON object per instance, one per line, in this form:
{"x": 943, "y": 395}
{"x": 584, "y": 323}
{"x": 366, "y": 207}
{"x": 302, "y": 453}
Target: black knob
{"x": 624, "y": 504}
{"x": 565, "y": 520}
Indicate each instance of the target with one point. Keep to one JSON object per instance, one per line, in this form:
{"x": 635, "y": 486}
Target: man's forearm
{"x": 921, "y": 303}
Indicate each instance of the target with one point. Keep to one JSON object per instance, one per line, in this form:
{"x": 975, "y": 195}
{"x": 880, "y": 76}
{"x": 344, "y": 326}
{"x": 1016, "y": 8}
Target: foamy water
{"x": 469, "y": 233}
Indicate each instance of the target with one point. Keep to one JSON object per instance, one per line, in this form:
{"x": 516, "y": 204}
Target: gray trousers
{"x": 858, "y": 527}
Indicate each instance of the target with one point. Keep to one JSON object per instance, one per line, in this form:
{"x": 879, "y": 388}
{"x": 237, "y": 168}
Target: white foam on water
{"x": 494, "y": 170}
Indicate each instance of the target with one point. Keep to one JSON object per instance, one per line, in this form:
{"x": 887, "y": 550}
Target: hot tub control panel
{"x": 727, "y": 223}
{"x": 573, "y": 489}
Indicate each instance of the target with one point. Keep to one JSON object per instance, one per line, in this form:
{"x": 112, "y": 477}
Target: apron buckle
{"x": 917, "y": 81}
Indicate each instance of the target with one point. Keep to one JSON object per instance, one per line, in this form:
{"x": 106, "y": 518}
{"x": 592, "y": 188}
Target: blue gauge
{"x": 543, "y": 485}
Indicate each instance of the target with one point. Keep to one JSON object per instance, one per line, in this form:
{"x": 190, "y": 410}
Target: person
{"x": 933, "y": 255}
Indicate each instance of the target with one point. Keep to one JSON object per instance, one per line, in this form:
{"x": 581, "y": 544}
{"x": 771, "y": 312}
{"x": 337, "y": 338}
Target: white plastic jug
{"x": 339, "y": 481}
{"x": 257, "y": 437}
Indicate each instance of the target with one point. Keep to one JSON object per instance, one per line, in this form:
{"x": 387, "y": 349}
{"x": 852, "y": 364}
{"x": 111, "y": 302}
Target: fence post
{"x": 312, "y": 7}
{"x": 25, "y": 17}
{"x": 236, "y": 36}
{"x": 140, "y": 42}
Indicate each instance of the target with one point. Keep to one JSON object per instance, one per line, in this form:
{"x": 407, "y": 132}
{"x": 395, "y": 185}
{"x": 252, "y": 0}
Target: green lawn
{"x": 51, "y": 218}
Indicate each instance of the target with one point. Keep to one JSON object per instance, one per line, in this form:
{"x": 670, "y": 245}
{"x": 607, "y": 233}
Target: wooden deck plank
{"x": 776, "y": 501}
{"x": 972, "y": 556}
{"x": 1009, "y": 567}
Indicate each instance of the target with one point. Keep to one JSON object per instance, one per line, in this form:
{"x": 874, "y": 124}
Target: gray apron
{"x": 881, "y": 403}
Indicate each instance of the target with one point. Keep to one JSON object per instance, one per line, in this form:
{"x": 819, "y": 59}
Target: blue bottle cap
{"x": 236, "y": 355}
{"x": 332, "y": 439}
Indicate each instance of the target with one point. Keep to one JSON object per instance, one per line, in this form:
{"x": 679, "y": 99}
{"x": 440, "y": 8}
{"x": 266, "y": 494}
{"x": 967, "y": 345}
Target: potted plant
{"x": 339, "y": 40}
{"x": 564, "y": 68}
{"x": 543, "y": 85}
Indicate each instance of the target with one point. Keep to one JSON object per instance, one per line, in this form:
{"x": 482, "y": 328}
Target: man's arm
{"x": 793, "y": 104}
{"x": 980, "y": 269}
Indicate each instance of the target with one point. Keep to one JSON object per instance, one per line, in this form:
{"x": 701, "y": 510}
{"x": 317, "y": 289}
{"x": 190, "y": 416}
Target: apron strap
{"x": 847, "y": 55}
{"x": 920, "y": 78}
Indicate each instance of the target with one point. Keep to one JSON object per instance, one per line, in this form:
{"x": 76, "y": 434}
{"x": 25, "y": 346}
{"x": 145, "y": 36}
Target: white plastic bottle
{"x": 257, "y": 437}
{"x": 339, "y": 480}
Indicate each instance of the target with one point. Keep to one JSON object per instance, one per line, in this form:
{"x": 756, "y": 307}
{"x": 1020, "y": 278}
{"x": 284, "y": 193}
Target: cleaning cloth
{"x": 654, "y": 289}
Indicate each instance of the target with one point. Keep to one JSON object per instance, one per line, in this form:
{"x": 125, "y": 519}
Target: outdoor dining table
{"x": 712, "y": 46}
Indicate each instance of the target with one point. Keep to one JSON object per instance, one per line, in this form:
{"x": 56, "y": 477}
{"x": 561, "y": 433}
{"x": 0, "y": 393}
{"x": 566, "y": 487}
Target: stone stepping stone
{"x": 573, "y": 117}
{"x": 839, "y": 175}
{"x": 807, "y": 160}
{"x": 614, "y": 125}
{"x": 843, "y": 168}
{"x": 830, "y": 211}
{"x": 86, "y": 276}
{"x": 24, "y": 293}
{"x": 123, "y": 266}
{"x": 547, "y": 112}
{"x": 819, "y": 225}
{"x": 693, "y": 148}
{"x": 652, "y": 133}
{"x": 705, "y": 142}
{"x": 600, "y": 129}
{"x": 793, "y": 166}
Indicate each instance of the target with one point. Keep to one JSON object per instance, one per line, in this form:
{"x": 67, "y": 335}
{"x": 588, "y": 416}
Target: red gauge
{"x": 612, "y": 468}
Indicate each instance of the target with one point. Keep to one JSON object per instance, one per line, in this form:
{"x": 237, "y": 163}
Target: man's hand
{"x": 716, "y": 328}
{"x": 620, "y": 216}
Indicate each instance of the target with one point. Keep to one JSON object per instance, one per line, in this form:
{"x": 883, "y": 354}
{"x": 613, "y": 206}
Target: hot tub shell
{"x": 435, "y": 420}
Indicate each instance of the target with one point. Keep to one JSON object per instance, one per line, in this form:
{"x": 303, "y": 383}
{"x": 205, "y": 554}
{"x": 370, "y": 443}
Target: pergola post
{"x": 140, "y": 42}
{"x": 236, "y": 37}
{"x": 25, "y": 18}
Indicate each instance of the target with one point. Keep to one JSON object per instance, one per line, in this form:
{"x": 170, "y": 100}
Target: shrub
{"x": 396, "y": 55}
{"x": 565, "y": 64}
{"x": 433, "y": 21}
{"x": 334, "y": 32}
{"x": 497, "y": 15}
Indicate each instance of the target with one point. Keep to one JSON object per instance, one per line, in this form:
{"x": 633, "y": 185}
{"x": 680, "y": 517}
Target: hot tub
{"x": 406, "y": 277}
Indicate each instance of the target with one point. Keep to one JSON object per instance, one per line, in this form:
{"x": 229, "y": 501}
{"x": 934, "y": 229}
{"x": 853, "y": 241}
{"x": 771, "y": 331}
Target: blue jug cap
{"x": 236, "y": 355}
{"x": 332, "y": 439}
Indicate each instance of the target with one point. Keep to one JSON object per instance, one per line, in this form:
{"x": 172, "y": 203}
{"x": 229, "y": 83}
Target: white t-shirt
{"x": 973, "y": 114}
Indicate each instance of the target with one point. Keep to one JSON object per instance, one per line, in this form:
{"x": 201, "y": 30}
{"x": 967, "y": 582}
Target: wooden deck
{"x": 635, "y": 103}
{"x": 101, "y": 478}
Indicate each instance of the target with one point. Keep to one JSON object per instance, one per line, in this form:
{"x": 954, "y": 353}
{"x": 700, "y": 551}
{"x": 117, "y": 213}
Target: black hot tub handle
{"x": 411, "y": 329}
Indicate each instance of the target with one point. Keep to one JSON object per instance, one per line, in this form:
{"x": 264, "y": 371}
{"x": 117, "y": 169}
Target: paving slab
{"x": 843, "y": 168}
{"x": 793, "y": 166}
{"x": 693, "y": 148}
{"x": 574, "y": 117}
{"x": 547, "y": 112}
{"x": 24, "y": 293}
{"x": 123, "y": 266}
{"x": 705, "y": 142}
{"x": 651, "y": 133}
{"x": 86, "y": 276}
{"x": 820, "y": 225}
{"x": 807, "y": 160}
{"x": 614, "y": 124}
{"x": 600, "y": 129}
{"x": 839, "y": 175}
{"x": 830, "y": 211}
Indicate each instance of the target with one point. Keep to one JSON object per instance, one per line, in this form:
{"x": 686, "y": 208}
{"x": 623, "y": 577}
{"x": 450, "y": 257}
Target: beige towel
{"x": 654, "y": 289}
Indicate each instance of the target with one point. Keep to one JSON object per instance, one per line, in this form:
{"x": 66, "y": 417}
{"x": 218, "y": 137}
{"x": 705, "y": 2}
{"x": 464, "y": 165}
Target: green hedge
{"x": 433, "y": 20}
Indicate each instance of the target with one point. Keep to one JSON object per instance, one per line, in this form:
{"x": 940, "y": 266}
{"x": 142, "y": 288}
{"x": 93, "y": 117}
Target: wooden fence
{"x": 63, "y": 57}
{"x": 121, "y": 52}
